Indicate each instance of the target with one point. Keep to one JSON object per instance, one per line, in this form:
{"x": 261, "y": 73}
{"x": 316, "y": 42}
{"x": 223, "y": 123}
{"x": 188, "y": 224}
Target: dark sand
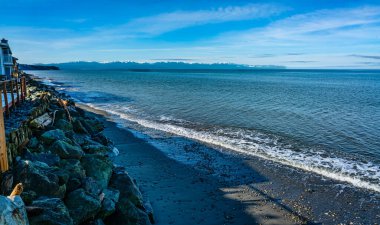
{"x": 236, "y": 189}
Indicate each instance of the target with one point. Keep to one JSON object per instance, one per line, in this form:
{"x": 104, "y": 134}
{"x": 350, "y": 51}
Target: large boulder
{"x": 66, "y": 150}
{"x": 75, "y": 172}
{"x": 129, "y": 208}
{"x": 111, "y": 197}
{"x": 96, "y": 148}
{"x": 78, "y": 127}
{"x": 49, "y": 137}
{"x": 64, "y": 125}
{"x": 53, "y": 212}
{"x": 40, "y": 178}
{"x": 99, "y": 167}
{"x": 48, "y": 158}
{"x": 121, "y": 181}
{"x": 82, "y": 205}
{"x": 128, "y": 214}
{"x": 12, "y": 211}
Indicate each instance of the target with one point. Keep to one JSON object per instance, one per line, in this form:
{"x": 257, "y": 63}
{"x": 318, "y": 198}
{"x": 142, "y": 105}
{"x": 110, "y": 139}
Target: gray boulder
{"x": 49, "y": 137}
{"x": 40, "y": 178}
{"x": 48, "y": 158}
{"x": 111, "y": 197}
{"x": 98, "y": 167}
{"x": 75, "y": 172}
{"x": 78, "y": 127}
{"x": 82, "y": 205}
{"x": 96, "y": 148}
{"x": 121, "y": 181}
{"x": 54, "y": 212}
{"x": 127, "y": 213}
{"x": 12, "y": 211}
{"x": 63, "y": 125}
{"x": 66, "y": 150}
{"x": 129, "y": 208}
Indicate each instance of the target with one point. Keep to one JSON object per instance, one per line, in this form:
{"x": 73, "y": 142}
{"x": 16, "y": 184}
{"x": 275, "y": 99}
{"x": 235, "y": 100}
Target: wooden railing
{"x": 16, "y": 88}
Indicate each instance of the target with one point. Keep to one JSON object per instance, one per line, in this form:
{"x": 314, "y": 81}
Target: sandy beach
{"x": 180, "y": 194}
{"x": 235, "y": 189}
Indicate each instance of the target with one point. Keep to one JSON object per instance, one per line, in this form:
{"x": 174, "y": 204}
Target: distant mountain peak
{"x": 92, "y": 65}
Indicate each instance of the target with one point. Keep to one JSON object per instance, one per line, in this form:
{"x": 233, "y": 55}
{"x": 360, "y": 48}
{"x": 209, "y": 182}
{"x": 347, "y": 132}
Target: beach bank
{"x": 61, "y": 169}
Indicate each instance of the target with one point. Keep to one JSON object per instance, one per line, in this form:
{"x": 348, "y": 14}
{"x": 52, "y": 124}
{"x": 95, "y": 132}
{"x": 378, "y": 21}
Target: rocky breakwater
{"x": 67, "y": 172}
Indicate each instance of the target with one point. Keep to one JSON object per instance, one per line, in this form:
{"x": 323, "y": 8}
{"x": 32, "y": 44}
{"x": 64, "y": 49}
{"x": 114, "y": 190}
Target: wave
{"x": 360, "y": 174}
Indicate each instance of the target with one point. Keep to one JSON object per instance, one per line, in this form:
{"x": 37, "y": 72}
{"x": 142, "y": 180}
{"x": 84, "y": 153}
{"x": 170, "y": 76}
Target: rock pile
{"x": 67, "y": 171}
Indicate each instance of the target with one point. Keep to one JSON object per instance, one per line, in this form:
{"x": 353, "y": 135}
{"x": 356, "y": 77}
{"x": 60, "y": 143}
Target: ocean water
{"x": 323, "y": 121}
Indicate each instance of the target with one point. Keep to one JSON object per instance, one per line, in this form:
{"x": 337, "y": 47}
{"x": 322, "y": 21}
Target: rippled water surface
{"x": 327, "y": 122}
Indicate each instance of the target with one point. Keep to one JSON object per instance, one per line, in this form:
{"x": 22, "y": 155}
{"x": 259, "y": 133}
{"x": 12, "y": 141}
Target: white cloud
{"x": 166, "y": 22}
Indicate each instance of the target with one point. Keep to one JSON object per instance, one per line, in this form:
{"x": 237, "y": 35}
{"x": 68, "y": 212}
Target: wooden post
{"x": 21, "y": 90}
{"x": 3, "y": 148}
{"x": 18, "y": 96}
{"x": 25, "y": 89}
{"x": 5, "y": 97}
{"x": 12, "y": 94}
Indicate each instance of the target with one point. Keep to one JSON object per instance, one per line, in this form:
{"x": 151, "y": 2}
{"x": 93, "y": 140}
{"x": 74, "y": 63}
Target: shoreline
{"x": 306, "y": 196}
{"x": 181, "y": 194}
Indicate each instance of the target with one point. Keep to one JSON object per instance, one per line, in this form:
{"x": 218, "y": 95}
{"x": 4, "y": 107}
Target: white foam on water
{"x": 115, "y": 151}
{"x": 359, "y": 174}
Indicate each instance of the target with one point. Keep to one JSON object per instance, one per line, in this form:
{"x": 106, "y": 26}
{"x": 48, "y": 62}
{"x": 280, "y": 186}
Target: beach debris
{"x": 64, "y": 104}
{"x": 17, "y": 190}
{"x": 41, "y": 121}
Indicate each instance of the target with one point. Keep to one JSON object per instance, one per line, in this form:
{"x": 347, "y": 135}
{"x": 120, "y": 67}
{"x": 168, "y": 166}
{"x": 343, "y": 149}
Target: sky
{"x": 295, "y": 34}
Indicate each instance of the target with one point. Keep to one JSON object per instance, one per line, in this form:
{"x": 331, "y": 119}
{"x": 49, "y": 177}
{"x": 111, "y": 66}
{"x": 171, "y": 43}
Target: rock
{"x": 96, "y": 148}
{"x": 99, "y": 167}
{"x": 49, "y": 137}
{"x": 54, "y": 212}
{"x": 33, "y": 211}
{"x": 149, "y": 210}
{"x": 93, "y": 125}
{"x": 33, "y": 142}
{"x": 78, "y": 127}
{"x": 91, "y": 186}
{"x": 121, "y": 181}
{"x": 40, "y": 178}
{"x": 127, "y": 213}
{"x": 75, "y": 171}
{"x": 102, "y": 139}
{"x": 63, "y": 125}
{"x": 12, "y": 211}
{"x": 82, "y": 205}
{"x": 129, "y": 208}
{"x": 41, "y": 121}
{"x": 111, "y": 197}
{"x": 48, "y": 158}
{"x": 80, "y": 139}
{"x": 6, "y": 182}
{"x": 66, "y": 151}
{"x": 28, "y": 196}
{"x": 95, "y": 222}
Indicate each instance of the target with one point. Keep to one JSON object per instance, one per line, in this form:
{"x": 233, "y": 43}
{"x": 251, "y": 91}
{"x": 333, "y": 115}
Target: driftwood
{"x": 41, "y": 121}
{"x": 17, "y": 190}
{"x": 64, "y": 103}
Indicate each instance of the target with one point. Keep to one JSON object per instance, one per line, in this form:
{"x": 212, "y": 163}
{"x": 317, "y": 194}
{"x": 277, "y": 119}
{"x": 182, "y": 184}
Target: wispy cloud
{"x": 166, "y": 22}
{"x": 366, "y": 56}
{"x": 77, "y": 20}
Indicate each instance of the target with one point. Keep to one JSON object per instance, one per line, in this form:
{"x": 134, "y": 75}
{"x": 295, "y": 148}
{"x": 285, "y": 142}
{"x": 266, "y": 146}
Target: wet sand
{"x": 226, "y": 188}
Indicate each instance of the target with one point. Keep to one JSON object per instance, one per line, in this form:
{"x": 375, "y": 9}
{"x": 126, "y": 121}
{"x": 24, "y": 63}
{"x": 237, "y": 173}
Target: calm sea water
{"x": 327, "y": 122}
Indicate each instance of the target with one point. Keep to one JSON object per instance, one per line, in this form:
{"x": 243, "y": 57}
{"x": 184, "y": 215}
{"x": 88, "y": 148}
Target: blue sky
{"x": 296, "y": 34}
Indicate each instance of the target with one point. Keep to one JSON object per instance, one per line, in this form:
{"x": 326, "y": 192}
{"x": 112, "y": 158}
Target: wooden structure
{"x": 16, "y": 88}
